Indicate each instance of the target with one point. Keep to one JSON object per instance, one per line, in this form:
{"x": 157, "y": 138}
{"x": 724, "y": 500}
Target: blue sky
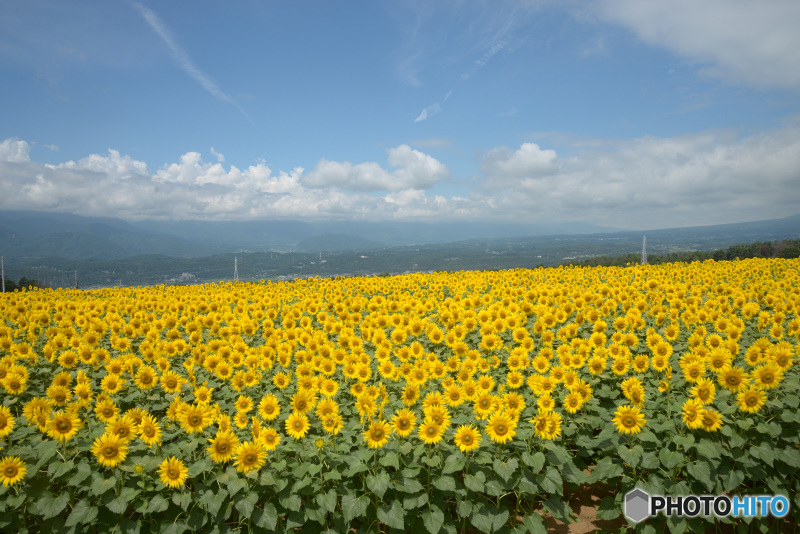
{"x": 617, "y": 112}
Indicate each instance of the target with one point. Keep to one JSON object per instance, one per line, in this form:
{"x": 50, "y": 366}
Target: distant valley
{"x": 56, "y": 249}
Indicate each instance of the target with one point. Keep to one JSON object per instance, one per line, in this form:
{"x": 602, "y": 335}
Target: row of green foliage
{"x": 416, "y": 487}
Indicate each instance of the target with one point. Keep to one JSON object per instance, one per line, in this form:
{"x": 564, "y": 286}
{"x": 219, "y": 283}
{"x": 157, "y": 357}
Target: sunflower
{"x": 704, "y": 390}
{"x": 545, "y": 403}
{"x": 572, "y": 402}
{"x": 711, "y": 420}
{"x": 269, "y": 408}
{"x": 149, "y": 430}
{"x": 484, "y": 404}
{"x": 63, "y": 426}
{"x": 332, "y": 424}
{"x": 782, "y": 355}
{"x": 718, "y": 359}
{"x": 659, "y": 362}
{"x": 202, "y": 395}
{"x": 329, "y": 387}
{"x": 641, "y": 363}
{"x": 437, "y": 414}
{"x": 124, "y": 427}
{"x": 693, "y": 371}
{"x": 241, "y": 419}
{"x": 297, "y": 425}
{"x": 515, "y": 379}
{"x": 467, "y": 438}
{"x": 767, "y": 376}
{"x": 454, "y": 395}
{"x": 751, "y": 400}
{"x": 12, "y": 470}
{"x": 60, "y": 395}
{"x": 195, "y": 418}
{"x": 105, "y": 410}
{"x": 35, "y": 405}
{"x": 470, "y": 388}
{"x": 173, "y": 472}
{"x": 597, "y": 364}
{"x": 223, "y": 370}
{"x": 733, "y": 378}
{"x": 110, "y": 450}
{"x": 547, "y": 425}
{"x": 693, "y": 412}
{"x": 403, "y": 422}
{"x": 410, "y": 394}
{"x": 146, "y": 378}
{"x": 377, "y": 434}
{"x": 171, "y": 382}
{"x": 501, "y": 427}
{"x": 6, "y": 421}
{"x": 222, "y": 446}
{"x": 513, "y": 402}
{"x": 431, "y": 433}
{"x": 629, "y": 420}
{"x": 304, "y": 401}
{"x": 620, "y": 365}
{"x": 270, "y": 438}
{"x": 250, "y": 456}
{"x": 83, "y": 391}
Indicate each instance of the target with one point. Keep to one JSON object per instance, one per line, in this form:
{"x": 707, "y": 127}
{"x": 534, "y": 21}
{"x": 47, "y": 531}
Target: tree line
{"x": 785, "y": 248}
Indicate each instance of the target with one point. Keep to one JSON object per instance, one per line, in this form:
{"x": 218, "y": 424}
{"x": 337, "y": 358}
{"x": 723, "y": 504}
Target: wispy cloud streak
{"x": 433, "y": 109}
{"x": 183, "y": 60}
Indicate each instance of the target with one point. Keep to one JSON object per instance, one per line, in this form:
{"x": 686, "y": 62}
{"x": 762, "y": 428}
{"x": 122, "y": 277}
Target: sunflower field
{"x": 445, "y": 402}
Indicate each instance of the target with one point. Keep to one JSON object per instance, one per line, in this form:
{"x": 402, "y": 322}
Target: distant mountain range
{"x": 27, "y": 236}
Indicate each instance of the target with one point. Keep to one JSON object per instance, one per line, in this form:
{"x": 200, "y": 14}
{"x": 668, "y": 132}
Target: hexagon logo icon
{"x": 637, "y": 505}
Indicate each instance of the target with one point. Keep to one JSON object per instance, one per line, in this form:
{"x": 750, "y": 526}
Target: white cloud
{"x": 650, "y": 182}
{"x": 117, "y": 185}
{"x": 433, "y": 109}
{"x": 414, "y": 170}
{"x": 756, "y": 43}
{"x": 506, "y": 167}
{"x": 429, "y": 111}
{"x": 112, "y": 166}
{"x": 14, "y": 150}
{"x": 182, "y": 58}
{"x": 52, "y": 148}
{"x": 220, "y": 157}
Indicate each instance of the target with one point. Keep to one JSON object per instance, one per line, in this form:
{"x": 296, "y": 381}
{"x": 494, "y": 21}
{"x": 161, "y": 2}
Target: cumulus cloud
{"x": 113, "y": 166}
{"x": 117, "y": 185}
{"x": 506, "y": 167}
{"x": 414, "y": 170}
{"x": 651, "y": 182}
{"x": 14, "y": 150}
{"x": 756, "y": 43}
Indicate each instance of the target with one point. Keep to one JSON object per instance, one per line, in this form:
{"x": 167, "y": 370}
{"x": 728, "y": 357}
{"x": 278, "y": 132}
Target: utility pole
{"x": 235, "y": 269}
{"x": 644, "y": 250}
{"x": 3, "y": 269}
{"x": 76, "y": 278}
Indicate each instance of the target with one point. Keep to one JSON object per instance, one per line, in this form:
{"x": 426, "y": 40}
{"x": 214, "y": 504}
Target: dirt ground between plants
{"x": 584, "y": 503}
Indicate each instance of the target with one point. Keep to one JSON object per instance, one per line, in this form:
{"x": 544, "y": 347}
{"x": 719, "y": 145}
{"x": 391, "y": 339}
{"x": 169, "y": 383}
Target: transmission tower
{"x": 644, "y": 250}
{"x": 235, "y": 269}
